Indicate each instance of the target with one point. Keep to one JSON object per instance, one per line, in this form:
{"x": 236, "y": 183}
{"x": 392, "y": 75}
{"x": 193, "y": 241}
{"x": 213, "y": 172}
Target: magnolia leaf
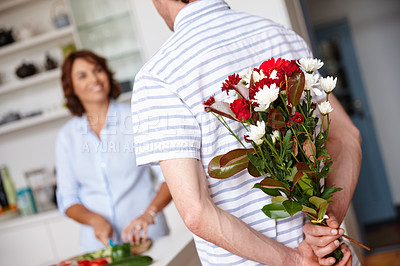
{"x": 253, "y": 171}
{"x": 272, "y": 183}
{"x": 323, "y": 157}
{"x": 309, "y": 149}
{"x": 234, "y": 156}
{"x": 297, "y": 177}
{"x": 317, "y": 201}
{"x": 303, "y": 167}
{"x": 292, "y": 207}
{"x": 295, "y": 87}
{"x": 309, "y": 210}
{"x": 279, "y": 199}
{"x": 242, "y": 90}
{"x": 275, "y": 211}
{"x": 216, "y": 171}
{"x": 269, "y": 191}
{"x": 221, "y": 108}
{"x": 275, "y": 119}
{"x": 306, "y": 186}
{"x": 322, "y": 210}
{"x": 295, "y": 147}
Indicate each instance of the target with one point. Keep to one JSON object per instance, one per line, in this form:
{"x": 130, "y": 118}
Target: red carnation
{"x": 230, "y": 82}
{"x": 298, "y": 118}
{"x": 210, "y": 101}
{"x": 240, "y": 107}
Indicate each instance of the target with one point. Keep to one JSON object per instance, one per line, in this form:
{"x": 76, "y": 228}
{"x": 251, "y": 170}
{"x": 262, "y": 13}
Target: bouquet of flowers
{"x": 286, "y": 131}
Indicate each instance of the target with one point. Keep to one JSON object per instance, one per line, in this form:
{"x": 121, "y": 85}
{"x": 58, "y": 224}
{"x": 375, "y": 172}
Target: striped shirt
{"x": 210, "y": 42}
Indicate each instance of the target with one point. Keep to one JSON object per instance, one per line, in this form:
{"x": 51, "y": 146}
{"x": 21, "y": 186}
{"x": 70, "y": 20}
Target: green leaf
{"x": 317, "y": 201}
{"x": 279, "y": 199}
{"x": 272, "y": 183}
{"x": 269, "y": 191}
{"x": 309, "y": 210}
{"x": 321, "y": 204}
{"x": 295, "y": 87}
{"x": 253, "y": 171}
{"x": 216, "y": 171}
{"x": 275, "y": 211}
{"x": 328, "y": 192}
{"x": 234, "y": 156}
{"x": 257, "y": 162}
{"x": 276, "y": 119}
{"x": 292, "y": 207}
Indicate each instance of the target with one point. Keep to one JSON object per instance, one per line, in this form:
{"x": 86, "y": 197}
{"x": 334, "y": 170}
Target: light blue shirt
{"x": 102, "y": 174}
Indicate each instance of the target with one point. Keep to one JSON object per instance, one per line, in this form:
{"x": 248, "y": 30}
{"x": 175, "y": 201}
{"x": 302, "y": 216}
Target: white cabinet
{"x": 38, "y": 240}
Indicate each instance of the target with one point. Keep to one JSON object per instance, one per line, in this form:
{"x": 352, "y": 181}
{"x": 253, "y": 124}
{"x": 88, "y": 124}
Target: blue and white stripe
{"x": 210, "y": 42}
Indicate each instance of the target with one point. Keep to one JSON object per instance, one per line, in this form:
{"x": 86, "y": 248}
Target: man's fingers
{"x": 317, "y": 230}
{"x": 323, "y": 251}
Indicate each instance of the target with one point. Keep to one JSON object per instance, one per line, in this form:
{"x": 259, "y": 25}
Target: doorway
{"x": 372, "y": 201}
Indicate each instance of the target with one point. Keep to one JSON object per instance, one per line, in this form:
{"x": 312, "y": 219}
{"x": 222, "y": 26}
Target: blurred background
{"x": 357, "y": 39}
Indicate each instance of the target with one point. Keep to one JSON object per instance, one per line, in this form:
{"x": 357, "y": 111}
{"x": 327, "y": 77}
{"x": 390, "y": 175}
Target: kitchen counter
{"x": 49, "y": 237}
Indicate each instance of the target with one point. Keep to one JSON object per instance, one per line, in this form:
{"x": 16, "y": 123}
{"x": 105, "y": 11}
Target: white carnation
{"x": 266, "y": 96}
{"x": 257, "y": 132}
{"x": 310, "y": 64}
{"x": 325, "y": 107}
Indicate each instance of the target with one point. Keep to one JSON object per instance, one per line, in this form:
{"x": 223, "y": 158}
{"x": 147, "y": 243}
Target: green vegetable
{"x": 133, "y": 261}
{"x": 96, "y": 254}
{"x": 121, "y": 251}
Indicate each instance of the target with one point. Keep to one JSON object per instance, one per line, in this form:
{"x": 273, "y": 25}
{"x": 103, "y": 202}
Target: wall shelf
{"x": 36, "y": 40}
{"x": 32, "y": 121}
{"x": 47, "y": 117}
{"x": 12, "y": 3}
{"x": 30, "y": 81}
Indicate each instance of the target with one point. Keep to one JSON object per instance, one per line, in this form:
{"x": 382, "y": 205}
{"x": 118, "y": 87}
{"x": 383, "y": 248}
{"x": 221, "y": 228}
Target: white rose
{"x": 328, "y": 84}
{"x": 325, "y": 108}
{"x": 257, "y": 132}
{"x": 310, "y": 64}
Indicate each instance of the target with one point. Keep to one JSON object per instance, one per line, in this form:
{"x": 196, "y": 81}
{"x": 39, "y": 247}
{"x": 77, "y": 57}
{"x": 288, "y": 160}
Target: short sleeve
{"x": 67, "y": 186}
{"x": 164, "y": 127}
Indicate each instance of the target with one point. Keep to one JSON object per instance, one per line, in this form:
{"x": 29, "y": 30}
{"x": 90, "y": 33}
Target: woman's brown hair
{"x": 73, "y": 103}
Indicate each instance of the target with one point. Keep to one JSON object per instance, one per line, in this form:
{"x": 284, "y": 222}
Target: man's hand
{"x": 325, "y": 239}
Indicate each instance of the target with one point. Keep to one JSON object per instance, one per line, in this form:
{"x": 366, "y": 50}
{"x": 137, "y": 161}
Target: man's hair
{"x": 73, "y": 103}
{"x": 185, "y": 1}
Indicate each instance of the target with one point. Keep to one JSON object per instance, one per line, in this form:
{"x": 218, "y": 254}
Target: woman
{"x": 98, "y": 182}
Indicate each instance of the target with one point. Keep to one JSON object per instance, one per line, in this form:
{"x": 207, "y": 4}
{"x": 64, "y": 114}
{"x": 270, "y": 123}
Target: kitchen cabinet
{"x": 107, "y": 28}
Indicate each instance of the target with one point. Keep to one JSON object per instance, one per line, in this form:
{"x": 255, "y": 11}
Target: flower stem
{"x": 223, "y": 122}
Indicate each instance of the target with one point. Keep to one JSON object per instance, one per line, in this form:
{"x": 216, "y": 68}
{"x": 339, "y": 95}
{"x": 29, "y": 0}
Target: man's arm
{"x": 188, "y": 185}
{"x": 344, "y": 146}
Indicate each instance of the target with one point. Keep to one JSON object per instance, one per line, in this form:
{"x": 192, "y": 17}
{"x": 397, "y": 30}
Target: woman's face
{"x": 90, "y": 82}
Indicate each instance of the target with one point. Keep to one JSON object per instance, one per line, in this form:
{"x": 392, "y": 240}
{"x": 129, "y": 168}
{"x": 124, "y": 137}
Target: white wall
{"x": 33, "y": 147}
{"x": 154, "y": 31}
{"x": 375, "y": 27}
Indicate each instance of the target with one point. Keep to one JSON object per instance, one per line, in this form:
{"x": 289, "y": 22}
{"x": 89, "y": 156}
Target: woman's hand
{"x": 103, "y": 229}
{"x": 131, "y": 233}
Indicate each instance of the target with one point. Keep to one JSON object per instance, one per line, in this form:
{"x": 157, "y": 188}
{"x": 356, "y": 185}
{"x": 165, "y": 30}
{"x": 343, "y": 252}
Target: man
{"x": 210, "y": 42}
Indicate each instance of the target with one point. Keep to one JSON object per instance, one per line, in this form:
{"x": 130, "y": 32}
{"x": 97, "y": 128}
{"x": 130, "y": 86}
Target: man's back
{"x": 210, "y": 42}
